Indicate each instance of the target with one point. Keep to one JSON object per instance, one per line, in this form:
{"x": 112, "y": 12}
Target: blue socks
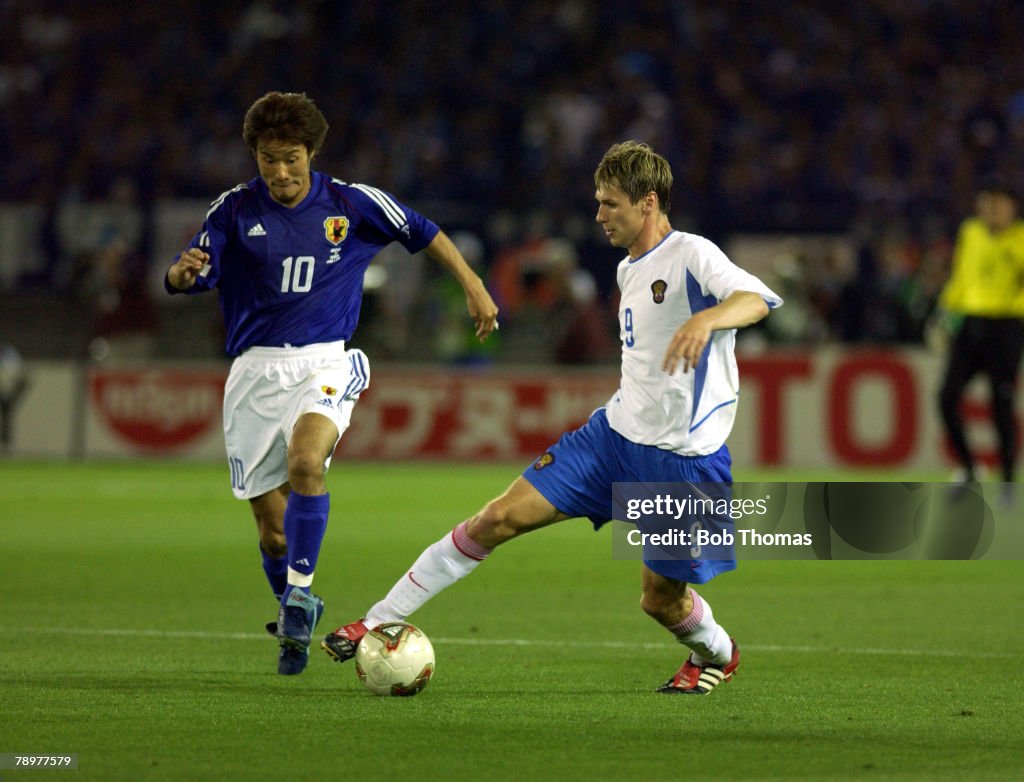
{"x": 305, "y": 522}
{"x": 277, "y": 572}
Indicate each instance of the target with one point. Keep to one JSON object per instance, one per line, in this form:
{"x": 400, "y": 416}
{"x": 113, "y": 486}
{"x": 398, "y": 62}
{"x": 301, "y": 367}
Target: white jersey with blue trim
{"x": 294, "y": 277}
{"x": 692, "y": 413}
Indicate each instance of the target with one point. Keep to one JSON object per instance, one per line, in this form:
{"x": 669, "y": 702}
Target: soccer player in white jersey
{"x": 682, "y": 301}
{"x": 286, "y": 252}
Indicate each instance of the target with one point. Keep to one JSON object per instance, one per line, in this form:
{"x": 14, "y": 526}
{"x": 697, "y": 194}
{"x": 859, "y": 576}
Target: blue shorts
{"x": 576, "y": 476}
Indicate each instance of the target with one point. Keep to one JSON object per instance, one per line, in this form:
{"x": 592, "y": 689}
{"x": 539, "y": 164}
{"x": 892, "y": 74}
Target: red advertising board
{"x": 834, "y": 407}
{"x": 158, "y": 410}
{"x": 460, "y": 415}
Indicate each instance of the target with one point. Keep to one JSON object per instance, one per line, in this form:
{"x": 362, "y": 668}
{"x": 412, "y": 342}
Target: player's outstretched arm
{"x": 742, "y": 308}
{"x": 183, "y": 272}
{"x": 479, "y": 303}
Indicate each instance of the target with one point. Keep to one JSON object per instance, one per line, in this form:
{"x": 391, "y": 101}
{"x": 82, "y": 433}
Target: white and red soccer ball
{"x": 395, "y": 658}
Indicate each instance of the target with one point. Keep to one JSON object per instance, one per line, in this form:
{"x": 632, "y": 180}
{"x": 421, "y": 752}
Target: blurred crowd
{"x": 871, "y": 120}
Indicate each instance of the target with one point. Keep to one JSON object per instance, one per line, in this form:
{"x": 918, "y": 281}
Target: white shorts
{"x": 268, "y": 390}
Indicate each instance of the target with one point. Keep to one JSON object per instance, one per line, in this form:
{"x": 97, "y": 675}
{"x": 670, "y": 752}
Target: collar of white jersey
{"x": 664, "y": 239}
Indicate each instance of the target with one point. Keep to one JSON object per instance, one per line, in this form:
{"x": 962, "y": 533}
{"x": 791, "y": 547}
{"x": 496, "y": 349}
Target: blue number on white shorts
{"x": 237, "y": 474}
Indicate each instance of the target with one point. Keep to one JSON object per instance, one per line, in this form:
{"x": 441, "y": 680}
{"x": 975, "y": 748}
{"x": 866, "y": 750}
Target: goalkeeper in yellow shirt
{"x": 983, "y": 302}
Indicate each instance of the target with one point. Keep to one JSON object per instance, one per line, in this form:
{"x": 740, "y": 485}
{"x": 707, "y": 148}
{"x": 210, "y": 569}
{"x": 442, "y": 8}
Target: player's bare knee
{"x": 305, "y": 470}
{"x": 493, "y": 525}
{"x": 666, "y": 601}
{"x": 273, "y": 543}
{"x": 270, "y": 531}
{"x": 655, "y": 604}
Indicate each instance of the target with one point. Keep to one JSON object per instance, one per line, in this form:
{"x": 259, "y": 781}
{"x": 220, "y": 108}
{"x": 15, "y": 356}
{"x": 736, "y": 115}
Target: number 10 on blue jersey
{"x": 297, "y": 274}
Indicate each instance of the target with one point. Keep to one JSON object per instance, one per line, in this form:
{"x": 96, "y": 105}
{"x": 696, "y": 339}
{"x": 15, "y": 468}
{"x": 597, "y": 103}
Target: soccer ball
{"x": 395, "y": 659}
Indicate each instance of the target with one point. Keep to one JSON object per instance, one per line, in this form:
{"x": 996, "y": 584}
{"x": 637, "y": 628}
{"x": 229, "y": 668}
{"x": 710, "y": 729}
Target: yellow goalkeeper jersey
{"x": 987, "y": 279}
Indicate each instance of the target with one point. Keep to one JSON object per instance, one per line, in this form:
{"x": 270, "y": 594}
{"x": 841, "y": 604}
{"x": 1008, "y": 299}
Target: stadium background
{"x": 832, "y": 149}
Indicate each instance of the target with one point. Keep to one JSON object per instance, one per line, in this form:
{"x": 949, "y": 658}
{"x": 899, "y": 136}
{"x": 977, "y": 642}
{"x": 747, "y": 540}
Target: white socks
{"x": 439, "y": 566}
{"x": 456, "y": 555}
{"x": 700, "y": 632}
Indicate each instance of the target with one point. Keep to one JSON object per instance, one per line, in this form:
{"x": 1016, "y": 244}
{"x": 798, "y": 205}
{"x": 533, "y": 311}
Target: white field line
{"x": 776, "y": 648}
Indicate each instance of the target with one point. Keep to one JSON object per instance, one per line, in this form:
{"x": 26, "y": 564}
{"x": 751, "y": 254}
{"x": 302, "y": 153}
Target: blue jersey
{"x": 293, "y": 277}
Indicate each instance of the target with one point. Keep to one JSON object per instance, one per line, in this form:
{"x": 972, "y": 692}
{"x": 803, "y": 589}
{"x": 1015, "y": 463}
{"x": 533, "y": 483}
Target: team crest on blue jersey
{"x": 543, "y": 461}
{"x": 336, "y": 229}
{"x": 658, "y": 288}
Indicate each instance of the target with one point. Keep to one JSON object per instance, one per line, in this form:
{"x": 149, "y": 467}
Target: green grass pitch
{"x": 131, "y": 633}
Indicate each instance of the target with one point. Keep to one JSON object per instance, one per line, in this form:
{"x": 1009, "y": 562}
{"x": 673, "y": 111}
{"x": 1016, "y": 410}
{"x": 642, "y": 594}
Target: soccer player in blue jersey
{"x": 286, "y": 252}
{"x": 682, "y": 301}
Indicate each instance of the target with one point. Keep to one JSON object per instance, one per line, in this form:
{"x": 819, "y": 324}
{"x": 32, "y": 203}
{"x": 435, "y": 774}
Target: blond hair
{"x": 637, "y": 170}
